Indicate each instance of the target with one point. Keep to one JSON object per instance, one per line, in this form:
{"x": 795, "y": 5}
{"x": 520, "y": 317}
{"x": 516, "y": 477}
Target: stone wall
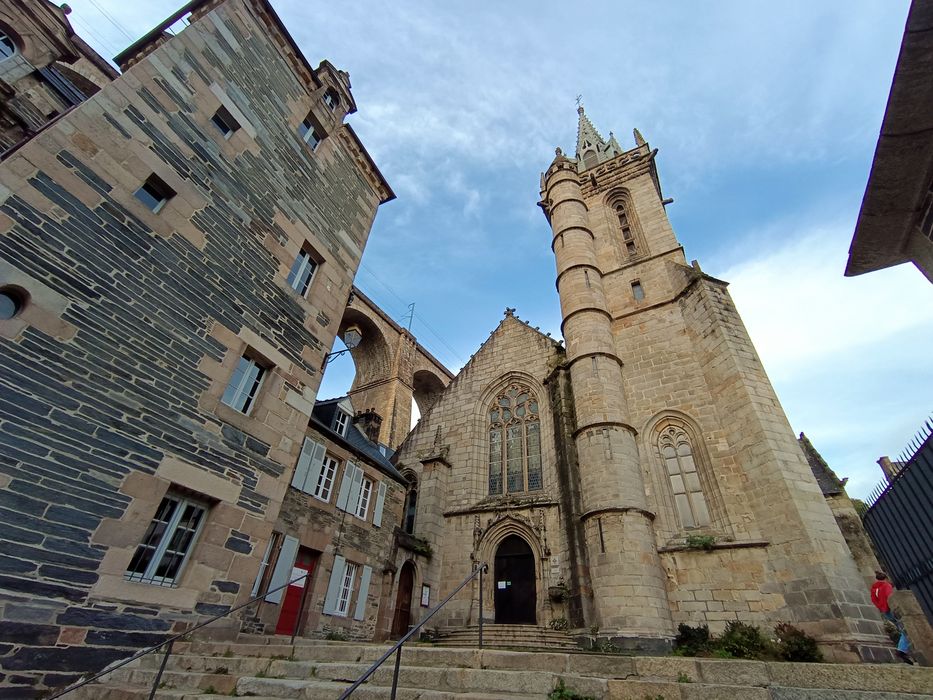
{"x": 111, "y": 376}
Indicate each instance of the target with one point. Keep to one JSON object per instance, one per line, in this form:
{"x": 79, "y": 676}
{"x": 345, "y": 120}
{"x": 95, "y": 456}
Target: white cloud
{"x": 848, "y": 356}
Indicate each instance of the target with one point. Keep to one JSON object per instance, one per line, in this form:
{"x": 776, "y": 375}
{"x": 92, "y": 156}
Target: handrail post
{"x": 481, "y": 567}
{"x": 398, "y": 663}
{"x": 158, "y": 678}
{"x": 301, "y": 607}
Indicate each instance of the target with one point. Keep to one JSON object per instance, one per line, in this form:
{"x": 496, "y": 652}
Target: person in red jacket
{"x": 881, "y": 590}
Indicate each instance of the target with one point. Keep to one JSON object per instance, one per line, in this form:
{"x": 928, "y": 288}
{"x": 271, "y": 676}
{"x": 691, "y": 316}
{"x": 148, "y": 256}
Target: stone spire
{"x": 592, "y": 148}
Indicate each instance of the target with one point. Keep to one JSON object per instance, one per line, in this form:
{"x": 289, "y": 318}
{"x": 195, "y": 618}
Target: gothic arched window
{"x": 411, "y": 505}
{"x": 677, "y": 455}
{"x": 514, "y": 442}
{"x": 625, "y": 226}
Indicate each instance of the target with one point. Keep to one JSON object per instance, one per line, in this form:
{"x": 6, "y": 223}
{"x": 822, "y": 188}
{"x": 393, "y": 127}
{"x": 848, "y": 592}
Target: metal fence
{"x": 899, "y": 521}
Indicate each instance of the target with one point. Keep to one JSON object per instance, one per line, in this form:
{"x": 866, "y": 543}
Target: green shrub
{"x": 559, "y": 623}
{"x": 561, "y": 692}
{"x": 796, "y": 645}
{"x": 700, "y": 542}
{"x": 691, "y": 641}
{"x": 743, "y": 641}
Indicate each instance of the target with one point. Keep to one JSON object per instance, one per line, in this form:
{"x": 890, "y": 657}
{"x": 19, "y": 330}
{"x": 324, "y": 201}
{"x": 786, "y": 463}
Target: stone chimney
{"x": 369, "y": 422}
{"x": 889, "y": 468}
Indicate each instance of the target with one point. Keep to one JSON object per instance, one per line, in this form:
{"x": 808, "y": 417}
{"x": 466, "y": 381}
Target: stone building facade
{"x": 337, "y": 523}
{"x": 176, "y": 253}
{"x": 644, "y": 476}
{"x": 45, "y": 68}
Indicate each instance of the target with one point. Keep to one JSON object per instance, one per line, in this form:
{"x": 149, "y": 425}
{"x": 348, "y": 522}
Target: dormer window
{"x": 341, "y": 423}
{"x": 331, "y": 100}
{"x": 7, "y": 47}
{"x": 310, "y": 133}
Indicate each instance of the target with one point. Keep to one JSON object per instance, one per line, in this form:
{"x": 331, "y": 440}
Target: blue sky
{"x": 766, "y": 116}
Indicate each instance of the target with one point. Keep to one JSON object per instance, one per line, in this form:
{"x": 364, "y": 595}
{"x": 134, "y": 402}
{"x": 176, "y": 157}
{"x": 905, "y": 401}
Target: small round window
{"x": 12, "y": 301}
{"x": 7, "y": 47}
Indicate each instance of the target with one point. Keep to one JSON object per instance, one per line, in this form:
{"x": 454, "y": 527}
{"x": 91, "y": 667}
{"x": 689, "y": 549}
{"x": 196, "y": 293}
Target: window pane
{"x": 495, "y": 461}
{"x": 677, "y": 484}
{"x": 236, "y": 381}
{"x": 693, "y": 482}
{"x": 683, "y": 507}
{"x": 534, "y": 456}
{"x": 7, "y": 47}
{"x": 672, "y": 466}
{"x": 143, "y": 555}
{"x": 699, "y": 509}
{"x": 152, "y": 200}
{"x": 514, "y": 468}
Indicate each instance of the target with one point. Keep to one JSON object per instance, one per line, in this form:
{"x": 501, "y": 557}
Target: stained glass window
{"x": 514, "y": 442}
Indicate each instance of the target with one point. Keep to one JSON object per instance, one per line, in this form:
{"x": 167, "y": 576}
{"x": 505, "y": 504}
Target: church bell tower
{"x": 629, "y": 598}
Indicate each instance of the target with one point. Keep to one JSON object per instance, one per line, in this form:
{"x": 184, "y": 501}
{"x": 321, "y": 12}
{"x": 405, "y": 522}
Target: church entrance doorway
{"x": 514, "y": 583}
{"x": 406, "y": 583}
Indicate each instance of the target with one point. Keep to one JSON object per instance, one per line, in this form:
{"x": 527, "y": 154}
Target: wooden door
{"x": 514, "y": 583}
{"x": 294, "y": 594}
{"x": 406, "y": 584}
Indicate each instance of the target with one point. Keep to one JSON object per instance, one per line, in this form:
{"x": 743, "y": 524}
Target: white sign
{"x": 500, "y": 585}
{"x": 297, "y": 573}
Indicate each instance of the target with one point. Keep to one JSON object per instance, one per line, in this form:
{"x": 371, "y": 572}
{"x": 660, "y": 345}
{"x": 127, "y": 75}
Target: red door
{"x": 294, "y": 594}
{"x": 402, "y": 619}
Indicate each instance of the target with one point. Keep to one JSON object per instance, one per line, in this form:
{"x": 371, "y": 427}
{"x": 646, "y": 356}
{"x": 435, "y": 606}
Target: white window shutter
{"x": 333, "y": 587}
{"x": 364, "y": 591}
{"x": 380, "y": 503}
{"x": 344, "y": 495}
{"x": 356, "y": 487}
{"x": 314, "y": 469}
{"x": 283, "y": 568}
{"x": 304, "y": 463}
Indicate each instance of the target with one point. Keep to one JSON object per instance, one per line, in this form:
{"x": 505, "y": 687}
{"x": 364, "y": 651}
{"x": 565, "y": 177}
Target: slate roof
{"x": 355, "y": 440}
{"x": 830, "y": 484}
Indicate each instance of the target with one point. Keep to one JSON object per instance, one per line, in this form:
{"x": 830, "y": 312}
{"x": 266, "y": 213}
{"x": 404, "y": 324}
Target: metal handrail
{"x": 396, "y": 649}
{"x": 168, "y": 643}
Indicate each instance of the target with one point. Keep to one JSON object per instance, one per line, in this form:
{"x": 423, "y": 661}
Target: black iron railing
{"x": 396, "y": 648}
{"x": 170, "y": 642}
{"x": 900, "y": 521}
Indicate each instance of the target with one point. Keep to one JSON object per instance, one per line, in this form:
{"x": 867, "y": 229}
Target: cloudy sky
{"x": 766, "y": 116}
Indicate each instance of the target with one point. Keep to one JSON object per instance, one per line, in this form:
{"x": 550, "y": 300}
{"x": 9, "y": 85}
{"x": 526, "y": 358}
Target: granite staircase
{"x": 508, "y": 637}
{"x": 319, "y": 670}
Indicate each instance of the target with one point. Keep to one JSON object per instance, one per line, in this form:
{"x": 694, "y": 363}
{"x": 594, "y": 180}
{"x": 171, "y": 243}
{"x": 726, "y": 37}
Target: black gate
{"x": 900, "y": 522}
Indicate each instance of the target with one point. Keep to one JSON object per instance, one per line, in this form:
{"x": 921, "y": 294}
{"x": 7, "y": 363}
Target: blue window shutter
{"x": 333, "y": 587}
{"x": 282, "y": 572}
{"x": 344, "y": 495}
{"x": 364, "y": 591}
{"x": 380, "y": 503}
{"x": 304, "y": 464}
{"x": 314, "y": 469}
{"x": 355, "y": 488}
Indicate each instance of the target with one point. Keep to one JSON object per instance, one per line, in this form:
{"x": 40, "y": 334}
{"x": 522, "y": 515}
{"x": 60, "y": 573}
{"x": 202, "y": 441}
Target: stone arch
{"x": 494, "y": 535}
{"x": 427, "y": 387}
{"x": 481, "y": 428}
{"x": 392, "y": 369}
{"x": 404, "y": 592}
{"x": 661, "y": 428}
{"x": 628, "y": 237}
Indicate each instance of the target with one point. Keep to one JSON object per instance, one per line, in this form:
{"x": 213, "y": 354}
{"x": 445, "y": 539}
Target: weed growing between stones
{"x": 561, "y": 692}
{"x": 743, "y": 641}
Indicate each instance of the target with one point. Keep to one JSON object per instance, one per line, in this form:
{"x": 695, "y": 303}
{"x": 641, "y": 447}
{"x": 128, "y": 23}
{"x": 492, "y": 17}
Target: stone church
{"x": 642, "y": 476}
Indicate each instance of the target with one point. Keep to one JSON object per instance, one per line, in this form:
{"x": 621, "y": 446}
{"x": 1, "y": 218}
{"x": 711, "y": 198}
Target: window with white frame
{"x": 325, "y": 482}
{"x": 168, "y": 541}
{"x": 346, "y": 589}
{"x": 341, "y": 423}
{"x": 310, "y": 133}
{"x": 677, "y": 454}
{"x": 244, "y": 385}
{"x": 299, "y": 278}
{"x": 362, "y": 506}
{"x": 154, "y": 193}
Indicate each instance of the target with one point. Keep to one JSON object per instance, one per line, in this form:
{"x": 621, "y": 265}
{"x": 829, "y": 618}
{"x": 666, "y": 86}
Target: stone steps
{"x": 313, "y": 669}
{"x": 508, "y": 636}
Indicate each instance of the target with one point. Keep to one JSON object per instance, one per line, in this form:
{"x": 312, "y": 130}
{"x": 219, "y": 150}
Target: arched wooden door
{"x": 406, "y": 583}
{"x": 515, "y": 596}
